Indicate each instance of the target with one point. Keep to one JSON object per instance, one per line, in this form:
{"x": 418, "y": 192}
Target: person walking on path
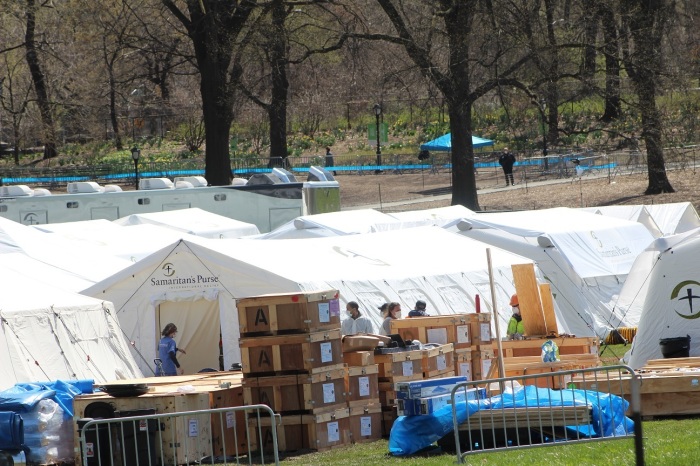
{"x": 355, "y": 322}
{"x": 506, "y": 161}
{"x": 167, "y": 352}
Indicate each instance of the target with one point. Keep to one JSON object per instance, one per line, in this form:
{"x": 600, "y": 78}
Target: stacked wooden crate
{"x": 292, "y": 361}
{"x": 362, "y": 394}
{"x": 469, "y": 335}
{"x": 401, "y": 365}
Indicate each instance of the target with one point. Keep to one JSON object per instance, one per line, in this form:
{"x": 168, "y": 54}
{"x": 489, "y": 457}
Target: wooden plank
{"x": 550, "y": 320}
{"x": 534, "y": 417}
{"x": 529, "y": 299}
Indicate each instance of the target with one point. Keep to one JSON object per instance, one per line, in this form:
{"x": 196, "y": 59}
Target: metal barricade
{"x": 547, "y": 408}
{"x": 211, "y": 436}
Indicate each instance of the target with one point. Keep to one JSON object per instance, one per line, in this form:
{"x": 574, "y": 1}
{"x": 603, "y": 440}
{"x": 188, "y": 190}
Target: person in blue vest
{"x": 516, "y": 328}
{"x": 167, "y": 352}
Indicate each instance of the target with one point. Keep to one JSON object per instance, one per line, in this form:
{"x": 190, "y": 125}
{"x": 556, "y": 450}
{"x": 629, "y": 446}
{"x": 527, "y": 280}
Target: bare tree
{"x": 645, "y": 23}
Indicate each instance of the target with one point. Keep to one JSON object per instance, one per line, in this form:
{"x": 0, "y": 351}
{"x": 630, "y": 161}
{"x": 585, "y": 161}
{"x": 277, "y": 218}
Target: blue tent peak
{"x": 444, "y": 143}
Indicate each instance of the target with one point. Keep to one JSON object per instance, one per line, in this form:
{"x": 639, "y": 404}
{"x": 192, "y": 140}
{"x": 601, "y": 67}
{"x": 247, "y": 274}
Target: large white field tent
{"x": 441, "y": 216}
{"x": 47, "y": 333}
{"x": 585, "y": 257}
{"x": 662, "y": 294}
{"x": 195, "y": 285}
{"x": 659, "y": 219}
{"x": 194, "y": 221}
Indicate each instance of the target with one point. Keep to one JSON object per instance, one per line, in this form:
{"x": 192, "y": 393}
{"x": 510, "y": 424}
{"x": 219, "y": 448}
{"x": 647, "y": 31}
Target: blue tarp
{"x": 411, "y": 434}
{"x": 444, "y": 143}
{"x": 23, "y": 396}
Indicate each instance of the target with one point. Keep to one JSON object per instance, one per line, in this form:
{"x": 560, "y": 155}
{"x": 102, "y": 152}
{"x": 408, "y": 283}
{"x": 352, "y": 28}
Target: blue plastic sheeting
{"x": 23, "y": 396}
{"x": 444, "y": 143}
{"x": 411, "y": 434}
{"x": 11, "y": 431}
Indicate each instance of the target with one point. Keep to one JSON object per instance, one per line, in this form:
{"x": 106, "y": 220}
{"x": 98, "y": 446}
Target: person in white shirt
{"x": 355, "y": 322}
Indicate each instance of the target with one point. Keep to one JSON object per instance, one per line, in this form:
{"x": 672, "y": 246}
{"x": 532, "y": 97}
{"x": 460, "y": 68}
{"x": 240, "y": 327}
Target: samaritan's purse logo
{"x": 168, "y": 269}
{"x": 687, "y": 295}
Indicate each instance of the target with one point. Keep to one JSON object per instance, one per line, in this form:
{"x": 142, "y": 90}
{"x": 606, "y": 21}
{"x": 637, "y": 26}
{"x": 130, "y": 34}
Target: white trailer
{"x": 266, "y": 200}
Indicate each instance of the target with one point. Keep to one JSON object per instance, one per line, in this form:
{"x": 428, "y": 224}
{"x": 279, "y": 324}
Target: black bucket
{"x": 678, "y": 347}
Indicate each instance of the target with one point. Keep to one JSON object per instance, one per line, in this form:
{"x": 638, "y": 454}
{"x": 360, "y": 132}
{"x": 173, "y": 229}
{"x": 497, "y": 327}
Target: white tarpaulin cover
{"x": 47, "y": 334}
{"x": 584, "y": 256}
{"x": 194, "y": 221}
{"x": 350, "y": 222}
{"x": 660, "y": 219}
{"x": 662, "y": 294}
{"x": 428, "y": 263}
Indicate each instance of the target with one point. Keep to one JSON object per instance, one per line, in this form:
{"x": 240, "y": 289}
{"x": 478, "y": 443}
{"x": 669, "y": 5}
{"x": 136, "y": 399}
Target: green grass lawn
{"x": 666, "y": 442}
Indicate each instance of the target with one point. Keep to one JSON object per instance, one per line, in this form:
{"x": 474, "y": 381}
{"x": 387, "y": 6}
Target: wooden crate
{"x": 438, "y": 361}
{"x": 365, "y": 423}
{"x": 387, "y": 395}
{"x": 315, "y": 393}
{"x": 462, "y": 330}
{"x": 388, "y": 418}
{"x": 361, "y": 385}
{"x": 190, "y": 434}
{"x": 303, "y": 431}
{"x": 228, "y": 431}
{"x": 400, "y": 366}
{"x": 554, "y": 382}
{"x": 289, "y": 312}
{"x": 481, "y": 363}
{"x": 359, "y": 358}
{"x": 533, "y": 347}
{"x": 463, "y": 363}
{"x": 305, "y": 352}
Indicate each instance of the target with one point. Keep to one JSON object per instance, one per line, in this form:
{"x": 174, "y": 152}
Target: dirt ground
{"x": 390, "y": 192}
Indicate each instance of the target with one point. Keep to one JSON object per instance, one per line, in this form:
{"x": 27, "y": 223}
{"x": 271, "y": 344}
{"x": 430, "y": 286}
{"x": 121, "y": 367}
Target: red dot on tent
{"x": 295, "y": 298}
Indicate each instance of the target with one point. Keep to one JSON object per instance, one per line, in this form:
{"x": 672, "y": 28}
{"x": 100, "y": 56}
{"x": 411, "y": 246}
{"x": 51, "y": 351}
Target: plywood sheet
{"x": 550, "y": 320}
{"x": 529, "y": 299}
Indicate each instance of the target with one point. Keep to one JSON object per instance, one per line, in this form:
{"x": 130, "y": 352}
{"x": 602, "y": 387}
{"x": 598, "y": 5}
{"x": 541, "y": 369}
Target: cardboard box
{"x": 360, "y": 343}
{"x": 319, "y": 432}
{"x": 428, "y": 405}
{"x": 427, "y": 388}
{"x": 287, "y": 312}
{"x": 361, "y": 385}
{"x": 315, "y": 393}
{"x": 359, "y": 358}
{"x": 307, "y": 352}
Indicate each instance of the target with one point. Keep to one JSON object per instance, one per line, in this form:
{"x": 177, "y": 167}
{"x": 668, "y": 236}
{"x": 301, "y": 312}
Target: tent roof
{"x": 56, "y": 334}
{"x": 194, "y": 221}
{"x": 444, "y": 143}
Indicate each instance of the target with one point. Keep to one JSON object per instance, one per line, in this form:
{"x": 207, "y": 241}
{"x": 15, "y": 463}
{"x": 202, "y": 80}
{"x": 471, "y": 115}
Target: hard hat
{"x": 514, "y": 300}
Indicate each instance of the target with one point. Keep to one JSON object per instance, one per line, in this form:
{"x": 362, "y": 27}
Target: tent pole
{"x": 501, "y": 368}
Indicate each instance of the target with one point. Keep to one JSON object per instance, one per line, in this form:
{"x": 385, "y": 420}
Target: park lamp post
{"x": 543, "y": 113}
{"x": 377, "y": 113}
{"x": 135, "y": 154}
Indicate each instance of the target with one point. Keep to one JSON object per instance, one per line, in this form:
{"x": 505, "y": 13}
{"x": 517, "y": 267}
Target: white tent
{"x": 660, "y": 219}
{"x": 195, "y": 284}
{"x": 194, "y": 221}
{"x": 49, "y": 334}
{"x": 662, "y": 293}
{"x": 585, "y": 257}
{"x": 441, "y": 216}
{"x": 350, "y": 222}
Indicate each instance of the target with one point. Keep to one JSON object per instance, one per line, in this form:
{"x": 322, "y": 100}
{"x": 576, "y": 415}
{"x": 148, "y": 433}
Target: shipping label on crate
{"x": 437, "y": 335}
{"x": 328, "y": 393}
{"x": 365, "y": 426}
{"x": 334, "y": 307}
{"x": 407, "y": 368}
{"x": 463, "y": 334}
{"x": 363, "y": 386}
{"x": 324, "y": 312}
{"x": 465, "y": 369}
{"x": 441, "y": 362}
{"x": 333, "y": 432}
{"x": 326, "y": 352}
{"x": 486, "y": 331}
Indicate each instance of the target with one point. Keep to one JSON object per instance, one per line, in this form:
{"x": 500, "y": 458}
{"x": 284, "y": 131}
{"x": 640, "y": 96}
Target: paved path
{"x": 448, "y": 197}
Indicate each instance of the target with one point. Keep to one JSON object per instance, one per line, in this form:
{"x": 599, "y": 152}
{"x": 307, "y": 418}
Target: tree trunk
{"x": 39, "y": 81}
{"x": 463, "y": 180}
{"x": 277, "y": 110}
{"x": 611, "y": 50}
{"x": 112, "y": 98}
{"x": 552, "y": 70}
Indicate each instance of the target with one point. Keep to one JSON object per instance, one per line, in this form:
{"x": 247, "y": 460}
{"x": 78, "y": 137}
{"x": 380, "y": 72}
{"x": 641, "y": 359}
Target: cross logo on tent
{"x": 686, "y": 296}
{"x": 168, "y": 269}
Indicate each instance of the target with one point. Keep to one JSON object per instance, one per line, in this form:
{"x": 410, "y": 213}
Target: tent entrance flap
{"x": 198, "y": 332}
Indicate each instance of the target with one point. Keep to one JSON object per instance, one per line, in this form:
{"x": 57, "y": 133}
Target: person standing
{"x": 329, "y": 160}
{"x": 516, "y": 328}
{"x": 167, "y": 352}
{"x": 392, "y": 311}
{"x": 506, "y": 161}
{"x": 355, "y": 322}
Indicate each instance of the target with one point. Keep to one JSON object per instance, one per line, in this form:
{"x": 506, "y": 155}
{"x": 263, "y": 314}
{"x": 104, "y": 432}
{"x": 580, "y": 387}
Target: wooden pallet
{"x": 542, "y": 417}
